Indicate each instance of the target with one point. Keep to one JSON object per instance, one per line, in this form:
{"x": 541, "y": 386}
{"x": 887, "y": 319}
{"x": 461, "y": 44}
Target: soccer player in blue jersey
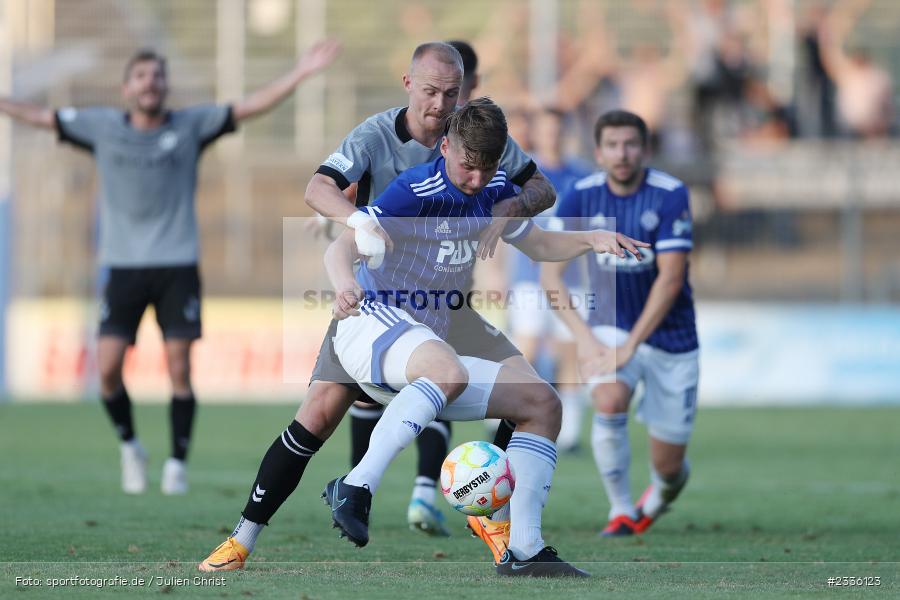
{"x": 372, "y": 155}
{"x": 392, "y": 342}
{"x": 652, "y": 336}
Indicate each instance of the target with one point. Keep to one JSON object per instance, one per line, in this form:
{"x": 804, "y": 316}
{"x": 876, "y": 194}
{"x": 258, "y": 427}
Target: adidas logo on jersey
{"x": 444, "y": 227}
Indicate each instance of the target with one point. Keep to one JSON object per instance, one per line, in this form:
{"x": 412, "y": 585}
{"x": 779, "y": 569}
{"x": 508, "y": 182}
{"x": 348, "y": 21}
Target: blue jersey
{"x": 658, "y": 213}
{"x": 435, "y": 229}
{"x": 563, "y": 177}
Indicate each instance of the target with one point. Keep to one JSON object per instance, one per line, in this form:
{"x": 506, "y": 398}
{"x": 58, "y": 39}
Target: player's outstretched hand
{"x": 595, "y": 359}
{"x": 346, "y": 303}
{"x": 610, "y": 242}
{"x": 318, "y": 56}
{"x": 490, "y": 235}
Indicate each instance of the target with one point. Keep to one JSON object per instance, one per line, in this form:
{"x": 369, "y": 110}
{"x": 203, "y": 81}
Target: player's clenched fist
{"x": 371, "y": 240}
{"x": 346, "y": 303}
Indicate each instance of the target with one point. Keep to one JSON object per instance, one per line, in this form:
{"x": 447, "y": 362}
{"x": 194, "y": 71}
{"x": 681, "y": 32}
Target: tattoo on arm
{"x": 536, "y": 196}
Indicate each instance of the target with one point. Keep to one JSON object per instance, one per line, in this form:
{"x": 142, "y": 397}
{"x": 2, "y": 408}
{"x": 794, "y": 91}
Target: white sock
{"x": 572, "y": 409}
{"x": 664, "y": 491}
{"x": 246, "y": 533}
{"x": 424, "y": 489}
{"x": 612, "y": 453}
{"x": 533, "y": 459}
{"x": 409, "y": 412}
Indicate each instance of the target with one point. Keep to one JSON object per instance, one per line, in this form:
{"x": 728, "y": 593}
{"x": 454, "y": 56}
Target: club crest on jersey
{"x": 168, "y": 140}
{"x": 457, "y": 252}
{"x": 649, "y": 220}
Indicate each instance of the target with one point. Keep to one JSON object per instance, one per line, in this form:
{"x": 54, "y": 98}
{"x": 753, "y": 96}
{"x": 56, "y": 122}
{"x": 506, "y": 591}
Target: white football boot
{"x": 174, "y": 478}
{"x": 134, "y": 467}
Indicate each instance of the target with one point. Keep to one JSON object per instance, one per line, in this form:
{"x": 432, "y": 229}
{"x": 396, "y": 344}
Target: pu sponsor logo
{"x": 457, "y": 252}
{"x": 467, "y": 488}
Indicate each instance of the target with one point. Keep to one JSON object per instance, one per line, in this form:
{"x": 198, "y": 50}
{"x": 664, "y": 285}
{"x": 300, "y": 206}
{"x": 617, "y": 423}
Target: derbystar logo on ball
{"x": 477, "y": 479}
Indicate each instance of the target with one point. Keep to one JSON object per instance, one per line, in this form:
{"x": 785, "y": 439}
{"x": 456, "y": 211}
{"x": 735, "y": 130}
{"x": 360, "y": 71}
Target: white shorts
{"x": 670, "y": 382}
{"x": 374, "y": 348}
{"x": 530, "y": 316}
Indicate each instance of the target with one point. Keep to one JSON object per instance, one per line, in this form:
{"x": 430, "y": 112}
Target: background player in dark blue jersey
{"x": 543, "y": 339}
{"x": 393, "y": 344}
{"x": 651, "y": 337}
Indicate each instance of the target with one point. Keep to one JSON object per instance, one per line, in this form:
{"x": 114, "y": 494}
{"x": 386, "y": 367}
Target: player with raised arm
{"x": 392, "y": 342}
{"x": 371, "y": 156}
{"x": 147, "y": 159}
{"x": 652, "y": 337}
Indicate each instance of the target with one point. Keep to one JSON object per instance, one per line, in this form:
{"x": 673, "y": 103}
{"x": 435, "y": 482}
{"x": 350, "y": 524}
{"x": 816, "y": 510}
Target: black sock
{"x": 362, "y": 421}
{"x": 280, "y": 472}
{"x": 432, "y": 444}
{"x": 181, "y": 418}
{"x": 118, "y": 407}
{"x": 504, "y": 433}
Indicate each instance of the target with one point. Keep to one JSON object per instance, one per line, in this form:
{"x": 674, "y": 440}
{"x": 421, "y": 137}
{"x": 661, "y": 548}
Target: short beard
{"x": 153, "y": 112}
{"x": 627, "y": 182}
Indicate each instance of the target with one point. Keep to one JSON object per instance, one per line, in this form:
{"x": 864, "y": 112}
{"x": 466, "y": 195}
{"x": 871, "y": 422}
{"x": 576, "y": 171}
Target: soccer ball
{"x": 477, "y": 479}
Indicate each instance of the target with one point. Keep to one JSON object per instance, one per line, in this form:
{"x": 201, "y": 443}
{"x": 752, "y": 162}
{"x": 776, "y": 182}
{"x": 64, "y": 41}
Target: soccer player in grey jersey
{"x": 147, "y": 160}
{"x": 372, "y": 155}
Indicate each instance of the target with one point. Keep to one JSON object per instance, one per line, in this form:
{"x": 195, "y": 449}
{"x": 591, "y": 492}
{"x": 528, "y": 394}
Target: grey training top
{"x": 381, "y": 147}
{"x": 147, "y": 180}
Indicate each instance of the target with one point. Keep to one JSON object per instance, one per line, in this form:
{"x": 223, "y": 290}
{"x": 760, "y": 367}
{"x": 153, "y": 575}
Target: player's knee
{"x": 316, "y": 418}
{"x": 609, "y": 404}
{"x": 452, "y": 378}
{"x": 668, "y": 467}
{"x": 323, "y": 408}
{"x": 180, "y": 372}
{"x": 543, "y": 404}
{"x": 110, "y": 377}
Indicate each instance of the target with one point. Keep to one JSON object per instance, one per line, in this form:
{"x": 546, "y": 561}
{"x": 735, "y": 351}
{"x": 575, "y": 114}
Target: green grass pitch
{"x": 780, "y": 500}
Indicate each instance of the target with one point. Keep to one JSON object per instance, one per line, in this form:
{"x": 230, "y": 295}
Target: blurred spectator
{"x": 864, "y": 89}
{"x": 816, "y": 91}
{"x": 640, "y": 81}
{"x": 763, "y": 119}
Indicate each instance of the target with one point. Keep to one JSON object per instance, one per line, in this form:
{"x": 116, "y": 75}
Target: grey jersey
{"x": 147, "y": 180}
{"x": 381, "y": 147}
